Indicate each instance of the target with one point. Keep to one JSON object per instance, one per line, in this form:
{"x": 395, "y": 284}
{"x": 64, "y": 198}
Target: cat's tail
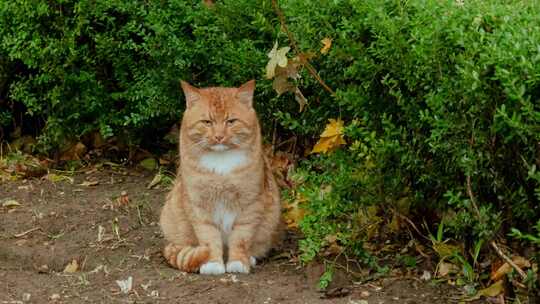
{"x": 186, "y": 258}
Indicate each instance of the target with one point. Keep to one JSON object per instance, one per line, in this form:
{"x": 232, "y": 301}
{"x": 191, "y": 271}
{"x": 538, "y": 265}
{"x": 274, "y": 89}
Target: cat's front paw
{"x": 214, "y": 268}
{"x": 237, "y": 267}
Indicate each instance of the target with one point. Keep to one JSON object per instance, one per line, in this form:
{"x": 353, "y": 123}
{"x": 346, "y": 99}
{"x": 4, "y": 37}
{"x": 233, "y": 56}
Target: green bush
{"x": 114, "y": 66}
{"x": 434, "y": 91}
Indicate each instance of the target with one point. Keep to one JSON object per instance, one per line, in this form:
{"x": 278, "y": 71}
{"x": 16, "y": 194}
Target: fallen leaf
{"x": 26, "y": 297}
{"x": 55, "y": 178}
{"x": 10, "y": 203}
{"x": 89, "y": 183}
{"x": 331, "y": 138}
{"x": 505, "y": 268}
{"x": 426, "y": 275}
{"x": 155, "y": 181}
{"x": 123, "y": 199}
{"x": 72, "y": 267}
{"x": 327, "y": 44}
{"x": 494, "y": 290}
{"x": 445, "y": 250}
{"x": 445, "y": 269}
{"x": 125, "y": 285}
{"x": 101, "y": 233}
{"x": 75, "y": 152}
{"x": 149, "y": 163}
{"x": 278, "y": 57}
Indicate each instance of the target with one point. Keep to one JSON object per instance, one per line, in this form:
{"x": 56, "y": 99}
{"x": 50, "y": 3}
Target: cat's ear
{"x": 245, "y": 93}
{"x": 191, "y": 93}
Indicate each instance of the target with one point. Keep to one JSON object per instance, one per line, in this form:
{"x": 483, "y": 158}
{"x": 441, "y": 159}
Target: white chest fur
{"x": 223, "y": 162}
{"x": 224, "y": 219}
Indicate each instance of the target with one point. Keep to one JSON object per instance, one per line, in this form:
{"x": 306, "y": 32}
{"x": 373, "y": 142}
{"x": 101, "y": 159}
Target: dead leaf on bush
{"x": 278, "y": 57}
{"x": 331, "y": 138}
{"x": 327, "y": 44}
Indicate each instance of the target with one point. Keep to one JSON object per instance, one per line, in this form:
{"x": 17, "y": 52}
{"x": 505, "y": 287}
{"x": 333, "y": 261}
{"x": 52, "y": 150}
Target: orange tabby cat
{"x": 225, "y": 200}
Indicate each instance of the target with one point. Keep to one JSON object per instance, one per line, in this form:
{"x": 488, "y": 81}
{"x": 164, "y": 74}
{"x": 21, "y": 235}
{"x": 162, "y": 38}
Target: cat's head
{"x": 219, "y": 119}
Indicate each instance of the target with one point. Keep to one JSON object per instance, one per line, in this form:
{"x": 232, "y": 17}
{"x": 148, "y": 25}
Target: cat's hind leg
{"x": 182, "y": 250}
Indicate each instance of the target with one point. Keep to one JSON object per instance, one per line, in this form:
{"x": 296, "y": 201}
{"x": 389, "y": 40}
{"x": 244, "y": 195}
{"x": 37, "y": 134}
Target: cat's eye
{"x": 206, "y": 122}
{"x": 231, "y": 121}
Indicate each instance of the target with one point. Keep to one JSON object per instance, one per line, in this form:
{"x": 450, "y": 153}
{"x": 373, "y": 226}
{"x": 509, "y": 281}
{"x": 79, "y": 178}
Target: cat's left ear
{"x": 245, "y": 93}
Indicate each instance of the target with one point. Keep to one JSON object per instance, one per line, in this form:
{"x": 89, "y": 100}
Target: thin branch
{"x": 508, "y": 260}
{"x": 18, "y": 235}
{"x": 493, "y": 243}
{"x": 473, "y": 200}
{"x": 294, "y": 45}
{"x": 411, "y": 224}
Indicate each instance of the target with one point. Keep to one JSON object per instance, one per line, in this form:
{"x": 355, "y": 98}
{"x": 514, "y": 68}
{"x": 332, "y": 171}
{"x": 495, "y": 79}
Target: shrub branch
{"x": 294, "y": 45}
{"x": 492, "y": 243}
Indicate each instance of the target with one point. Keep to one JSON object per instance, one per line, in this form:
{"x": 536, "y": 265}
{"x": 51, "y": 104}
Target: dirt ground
{"x": 107, "y": 221}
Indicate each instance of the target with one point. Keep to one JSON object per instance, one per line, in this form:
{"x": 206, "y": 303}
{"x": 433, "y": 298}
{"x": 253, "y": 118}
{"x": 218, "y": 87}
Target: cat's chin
{"x": 219, "y": 147}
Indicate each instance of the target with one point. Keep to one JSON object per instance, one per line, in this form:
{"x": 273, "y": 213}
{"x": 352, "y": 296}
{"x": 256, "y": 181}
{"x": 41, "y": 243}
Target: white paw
{"x": 252, "y": 261}
{"x": 212, "y": 268}
{"x": 237, "y": 266}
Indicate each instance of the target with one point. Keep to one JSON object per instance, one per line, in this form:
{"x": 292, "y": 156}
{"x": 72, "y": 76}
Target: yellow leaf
{"x": 278, "y": 57}
{"x": 327, "y": 44}
{"x": 331, "y": 137}
{"x": 72, "y": 267}
{"x": 492, "y": 291}
{"x": 506, "y": 268}
{"x": 445, "y": 250}
{"x": 444, "y": 269}
{"x": 11, "y": 204}
{"x": 55, "y": 178}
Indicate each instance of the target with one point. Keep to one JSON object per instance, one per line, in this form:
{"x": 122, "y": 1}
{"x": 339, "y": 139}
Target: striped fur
{"x": 225, "y": 200}
{"x": 186, "y": 258}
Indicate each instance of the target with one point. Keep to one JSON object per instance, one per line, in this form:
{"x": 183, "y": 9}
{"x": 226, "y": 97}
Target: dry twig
{"x": 18, "y": 235}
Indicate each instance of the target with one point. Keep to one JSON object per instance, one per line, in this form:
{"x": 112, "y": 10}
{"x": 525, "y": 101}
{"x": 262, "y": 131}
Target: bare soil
{"x": 113, "y": 236}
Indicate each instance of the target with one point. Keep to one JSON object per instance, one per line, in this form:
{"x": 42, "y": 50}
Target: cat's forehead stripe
{"x": 219, "y": 99}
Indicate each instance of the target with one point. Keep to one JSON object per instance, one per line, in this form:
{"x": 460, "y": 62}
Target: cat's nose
{"x": 219, "y": 138}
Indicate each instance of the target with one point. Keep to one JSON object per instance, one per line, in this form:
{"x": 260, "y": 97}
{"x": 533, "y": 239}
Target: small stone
{"x": 365, "y": 294}
{"x": 54, "y": 297}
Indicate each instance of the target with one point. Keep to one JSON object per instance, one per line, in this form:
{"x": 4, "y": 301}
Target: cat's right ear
{"x": 191, "y": 93}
